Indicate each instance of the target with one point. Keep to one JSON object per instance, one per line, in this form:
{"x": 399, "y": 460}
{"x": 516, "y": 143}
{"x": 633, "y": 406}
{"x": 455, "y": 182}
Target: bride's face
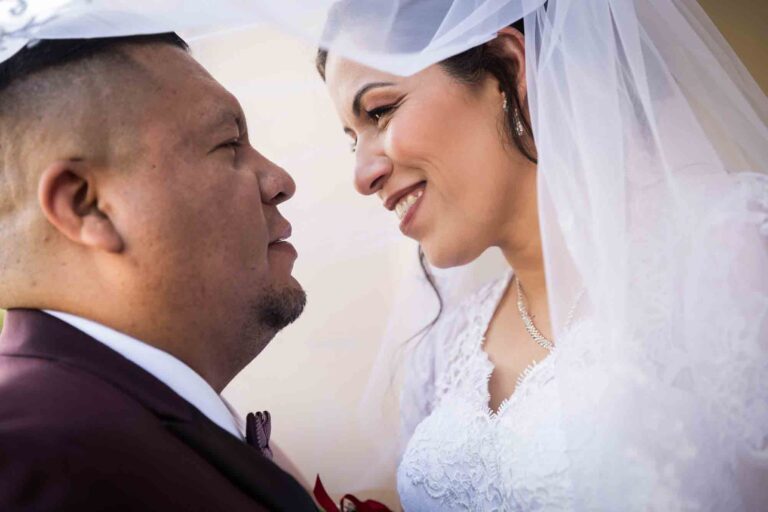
{"x": 433, "y": 150}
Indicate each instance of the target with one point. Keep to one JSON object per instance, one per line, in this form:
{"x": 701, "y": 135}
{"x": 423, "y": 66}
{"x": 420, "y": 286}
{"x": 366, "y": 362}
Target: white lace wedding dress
{"x": 463, "y": 456}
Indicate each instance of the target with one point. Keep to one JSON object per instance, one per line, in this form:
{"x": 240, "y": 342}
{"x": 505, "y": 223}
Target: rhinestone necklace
{"x": 528, "y": 321}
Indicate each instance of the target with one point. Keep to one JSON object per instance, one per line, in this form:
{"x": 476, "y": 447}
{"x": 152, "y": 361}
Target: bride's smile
{"x": 405, "y": 203}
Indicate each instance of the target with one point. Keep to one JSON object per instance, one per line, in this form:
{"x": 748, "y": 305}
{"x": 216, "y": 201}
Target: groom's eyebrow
{"x": 224, "y": 119}
{"x": 364, "y": 89}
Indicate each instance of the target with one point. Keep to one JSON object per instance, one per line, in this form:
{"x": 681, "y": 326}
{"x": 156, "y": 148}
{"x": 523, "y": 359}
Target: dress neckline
{"x": 493, "y": 302}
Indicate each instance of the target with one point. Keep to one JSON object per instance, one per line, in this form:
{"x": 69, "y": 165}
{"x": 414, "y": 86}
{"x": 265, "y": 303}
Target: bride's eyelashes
{"x": 378, "y": 113}
{"x": 382, "y": 113}
{"x": 379, "y": 116}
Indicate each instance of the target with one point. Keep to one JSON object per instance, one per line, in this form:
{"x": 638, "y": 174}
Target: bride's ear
{"x": 68, "y": 197}
{"x": 510, "y": 44}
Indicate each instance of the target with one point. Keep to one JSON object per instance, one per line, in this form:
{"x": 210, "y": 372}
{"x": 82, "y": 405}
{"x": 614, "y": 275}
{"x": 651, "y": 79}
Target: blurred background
{"x": 313, "y": 375}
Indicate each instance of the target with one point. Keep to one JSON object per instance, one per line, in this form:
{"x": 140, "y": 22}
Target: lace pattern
{"x": 464, "y": 456}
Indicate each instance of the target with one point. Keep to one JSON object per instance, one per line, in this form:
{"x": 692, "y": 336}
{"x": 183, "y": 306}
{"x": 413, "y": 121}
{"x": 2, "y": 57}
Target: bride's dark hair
{"x": 471, "y": 67}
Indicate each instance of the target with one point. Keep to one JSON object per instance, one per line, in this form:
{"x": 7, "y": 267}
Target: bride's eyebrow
{"x": 362, "y": 91}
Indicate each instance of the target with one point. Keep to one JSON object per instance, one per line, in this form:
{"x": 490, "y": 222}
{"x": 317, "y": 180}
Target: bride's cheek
{"x": 397, "y": 146}
{"x": 407, "y": 140}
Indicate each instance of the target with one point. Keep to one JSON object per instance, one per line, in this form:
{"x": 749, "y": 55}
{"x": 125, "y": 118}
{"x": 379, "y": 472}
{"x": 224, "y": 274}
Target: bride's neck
{"x": 521, "y": 246}
{"x": 525, "y": 257}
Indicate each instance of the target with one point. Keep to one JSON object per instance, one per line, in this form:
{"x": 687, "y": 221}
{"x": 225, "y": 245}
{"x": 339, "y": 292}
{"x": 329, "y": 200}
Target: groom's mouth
{"x": 282, "y": 231}
{"x": 282, "y": 246}
{"x": 280, "y": 242}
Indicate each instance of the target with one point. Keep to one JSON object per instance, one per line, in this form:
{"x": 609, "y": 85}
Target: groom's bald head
{"x": 63, "y": 99}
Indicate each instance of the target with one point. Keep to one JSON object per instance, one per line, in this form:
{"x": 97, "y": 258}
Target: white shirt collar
{"x": 171, "y": 371}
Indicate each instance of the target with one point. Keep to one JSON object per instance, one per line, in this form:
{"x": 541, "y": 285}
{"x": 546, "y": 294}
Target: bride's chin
{"x": 443, "y": 257}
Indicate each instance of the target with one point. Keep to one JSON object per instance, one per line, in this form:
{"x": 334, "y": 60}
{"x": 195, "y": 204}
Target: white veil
{"x": 653, "y": 148}
{"x": 653, "y": 197}
{"x": 658, "y": 103}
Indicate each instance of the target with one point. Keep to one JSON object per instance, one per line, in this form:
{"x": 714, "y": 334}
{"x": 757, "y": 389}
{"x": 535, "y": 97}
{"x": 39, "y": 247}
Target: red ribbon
{"x": 325, "y": 501}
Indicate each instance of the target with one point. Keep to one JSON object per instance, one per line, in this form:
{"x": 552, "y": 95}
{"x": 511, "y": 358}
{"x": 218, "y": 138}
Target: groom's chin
{"x": 280, "y": 307}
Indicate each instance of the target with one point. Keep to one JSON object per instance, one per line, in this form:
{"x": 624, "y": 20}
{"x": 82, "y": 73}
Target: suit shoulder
{"x": 37, "y": 392}
{"x": 63, "y": 429}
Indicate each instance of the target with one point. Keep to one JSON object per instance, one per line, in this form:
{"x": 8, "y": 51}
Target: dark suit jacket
{"x": 82, "y": 428}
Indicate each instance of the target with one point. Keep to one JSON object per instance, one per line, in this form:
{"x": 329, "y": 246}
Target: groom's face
{"x": 200, "y": 217}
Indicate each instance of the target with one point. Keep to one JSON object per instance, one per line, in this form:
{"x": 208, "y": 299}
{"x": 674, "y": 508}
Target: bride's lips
{"x": 406, "y": 195}
{"x": 391, "y": 201}
{"x": 407, "y": 221}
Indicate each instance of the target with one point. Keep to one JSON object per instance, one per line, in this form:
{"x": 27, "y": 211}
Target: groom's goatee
{"x": 281, "y": 307}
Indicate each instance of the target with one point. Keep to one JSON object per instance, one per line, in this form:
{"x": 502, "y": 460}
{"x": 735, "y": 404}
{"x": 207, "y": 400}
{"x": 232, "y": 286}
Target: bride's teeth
{"x": 399, "y": 210}
{"x": 405, "y": 204}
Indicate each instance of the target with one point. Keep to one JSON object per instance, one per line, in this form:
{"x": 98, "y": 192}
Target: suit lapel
{"x": 32, "y": 333}
{"x": 256, "y": 475}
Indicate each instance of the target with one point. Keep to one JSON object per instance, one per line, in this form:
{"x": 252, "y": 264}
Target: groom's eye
{"x": 231, "y": 144}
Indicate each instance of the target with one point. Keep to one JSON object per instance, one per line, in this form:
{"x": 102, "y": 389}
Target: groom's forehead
{"x": 187, "y": 96}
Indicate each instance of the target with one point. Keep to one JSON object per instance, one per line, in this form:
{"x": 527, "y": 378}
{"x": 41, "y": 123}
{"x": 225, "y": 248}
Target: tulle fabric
{"x": 653, "y": 146}
{"x": 400, "y": 36}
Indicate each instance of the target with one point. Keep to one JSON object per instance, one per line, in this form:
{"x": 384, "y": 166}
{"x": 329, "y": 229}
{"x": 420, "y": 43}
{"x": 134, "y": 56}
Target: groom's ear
{"x": 69, "y": 199}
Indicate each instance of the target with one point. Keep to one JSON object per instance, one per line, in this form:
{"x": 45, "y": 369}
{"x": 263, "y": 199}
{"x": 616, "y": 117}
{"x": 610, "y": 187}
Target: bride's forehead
{"x": 345, "y": 73}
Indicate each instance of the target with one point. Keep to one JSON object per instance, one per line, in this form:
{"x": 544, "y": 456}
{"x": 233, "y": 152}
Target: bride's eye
{"x": 379, "y": 113}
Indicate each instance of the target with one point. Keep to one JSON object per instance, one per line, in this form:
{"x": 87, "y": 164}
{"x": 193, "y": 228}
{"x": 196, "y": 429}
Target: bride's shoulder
{"x": 473, "y": 310}
{"x": 459, "y": 319}
{"x": 430, "y": 359}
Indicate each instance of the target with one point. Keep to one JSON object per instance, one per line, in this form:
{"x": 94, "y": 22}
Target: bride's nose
{"x": 372, "y": 169}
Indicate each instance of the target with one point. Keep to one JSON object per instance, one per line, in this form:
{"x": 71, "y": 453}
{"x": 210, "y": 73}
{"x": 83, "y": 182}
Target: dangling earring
{"x": 519, "y": 127}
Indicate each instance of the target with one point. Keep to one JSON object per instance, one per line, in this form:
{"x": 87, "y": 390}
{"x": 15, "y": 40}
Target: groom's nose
{"x": 275, "y": 183}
